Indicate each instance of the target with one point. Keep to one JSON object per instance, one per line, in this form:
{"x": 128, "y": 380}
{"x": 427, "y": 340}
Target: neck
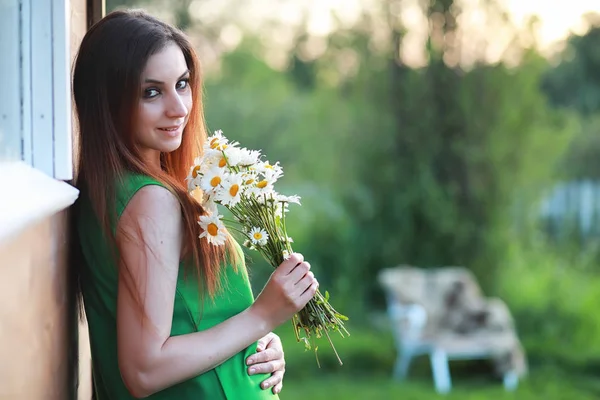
{"x": 151, "y": 159}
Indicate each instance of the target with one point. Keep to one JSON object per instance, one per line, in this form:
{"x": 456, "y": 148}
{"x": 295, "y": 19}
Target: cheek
{"x": 188, "y": 101}
{"x": 148, "y": 114}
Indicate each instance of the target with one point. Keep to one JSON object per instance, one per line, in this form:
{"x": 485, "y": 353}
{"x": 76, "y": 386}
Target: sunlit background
{"x": 431, "y": 134}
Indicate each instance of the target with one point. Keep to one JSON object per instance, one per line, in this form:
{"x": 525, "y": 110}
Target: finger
{"x": 275, "y": 342}
{"x": 306, "y": 280}
{"x": 288, "y": 265}
{"x": 272, "y": 340}
{"x": 277, "y": 388}
{"x": 299, "y": 272}
{"x": 272, "y": 381}
{"x": 302, "y": 267}
{"x": 304, "y": 284}
{"x": 310, "y": 292}
{"x": 266, "y": 367}
{"x": 263, "y": 342}
{"x": 265, "y": 356}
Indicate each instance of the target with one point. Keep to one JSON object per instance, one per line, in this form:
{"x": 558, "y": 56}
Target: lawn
{"x": 368, "y": 357}
{"x": 544, "y": 384}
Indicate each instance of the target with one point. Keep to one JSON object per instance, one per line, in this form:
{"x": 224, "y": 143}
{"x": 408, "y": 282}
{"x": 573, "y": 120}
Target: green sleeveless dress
{"x": 229, "y": 380}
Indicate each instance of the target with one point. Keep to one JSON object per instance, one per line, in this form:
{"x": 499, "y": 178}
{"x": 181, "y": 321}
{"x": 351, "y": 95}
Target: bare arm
{"x": 149, "y": 358}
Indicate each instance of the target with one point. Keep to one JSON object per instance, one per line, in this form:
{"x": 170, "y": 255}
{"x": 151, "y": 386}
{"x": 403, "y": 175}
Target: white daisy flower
{"x": 233, "y": 156}
{"x": 248, "y": 157}
{"x": 210, "y": 156}
{"x": 194, "y": 171}
{"x": 249, "y": 178}
{"x": 261, "y": 188}
{"x": 259, "y": 236}
{"x": 211, "y": 181}
{"x": 210, "y": 206}
{"x": 272, "y": 172}
{"x": 219, "y": 161}
{"x": 212, "y": 229}
{"x": 265, "y": 183}
{"x": 217, "y": 141}
{"x": 232, "y": 190}
{"x": 192, "y": 179}
{"x": 288, "y": 199}
{"x": 211, "y": 159}
{"x": 286, "y": 254}
{"x": 260, "y": 167}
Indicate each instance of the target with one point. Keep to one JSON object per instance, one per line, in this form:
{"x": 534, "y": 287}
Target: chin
{"x": 170, "y": 149}
{"x": 171, "y": 146}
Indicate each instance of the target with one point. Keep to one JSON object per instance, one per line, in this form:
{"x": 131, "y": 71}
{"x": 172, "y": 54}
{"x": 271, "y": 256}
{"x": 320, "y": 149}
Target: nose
{"x": 176, "y": 107}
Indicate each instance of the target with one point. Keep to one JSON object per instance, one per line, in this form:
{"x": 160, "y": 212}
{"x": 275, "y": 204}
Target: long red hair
{"x": 106, "y": 88}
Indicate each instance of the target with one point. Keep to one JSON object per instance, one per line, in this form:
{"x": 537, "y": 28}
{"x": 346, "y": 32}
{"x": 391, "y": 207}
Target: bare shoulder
{"x": 153, "y": 208}
{"x": 153, "y": 199}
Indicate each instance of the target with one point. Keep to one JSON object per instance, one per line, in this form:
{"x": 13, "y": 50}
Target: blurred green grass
{"x": 368, "y": 358}
{"x": 544, "y": 384}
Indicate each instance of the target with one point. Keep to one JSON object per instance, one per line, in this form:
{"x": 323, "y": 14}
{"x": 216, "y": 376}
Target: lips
{"x": 171, "y": 131}
{"x": 170, "y": 128}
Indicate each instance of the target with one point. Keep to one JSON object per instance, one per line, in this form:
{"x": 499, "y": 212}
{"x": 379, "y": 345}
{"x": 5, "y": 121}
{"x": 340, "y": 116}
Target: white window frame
{"x": 35, "y": 112}
{"x": 35, "y": 109}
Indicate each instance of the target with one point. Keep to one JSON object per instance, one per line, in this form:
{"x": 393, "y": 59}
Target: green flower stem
{"x": 318, "y": 317}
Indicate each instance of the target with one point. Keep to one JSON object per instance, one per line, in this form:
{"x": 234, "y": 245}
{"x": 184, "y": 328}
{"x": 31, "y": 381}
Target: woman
{"x": 170, "y": 316}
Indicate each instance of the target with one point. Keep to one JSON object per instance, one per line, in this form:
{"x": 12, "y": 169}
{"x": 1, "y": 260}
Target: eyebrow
{"x": 157, "y": 82}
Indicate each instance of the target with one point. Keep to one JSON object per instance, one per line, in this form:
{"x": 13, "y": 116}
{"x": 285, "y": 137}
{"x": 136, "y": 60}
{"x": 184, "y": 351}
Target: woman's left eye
{"x": 182, "y": 84}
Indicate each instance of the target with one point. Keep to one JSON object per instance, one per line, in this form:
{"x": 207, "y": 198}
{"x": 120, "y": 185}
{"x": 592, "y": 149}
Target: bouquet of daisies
{"x": 237, "y": 178}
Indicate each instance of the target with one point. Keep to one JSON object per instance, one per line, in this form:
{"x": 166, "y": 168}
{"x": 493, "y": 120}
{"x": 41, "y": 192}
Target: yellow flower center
{"x": 262, "y": 184}
{"x": 214, "y": 143}
{"x": 233, "y": 190}
{"x": 223, "y": 162}
{"x": 215, "y": 181}
{"x": 257, "y": 235}
{"x": 249, "y": 181}
{"x": 269, "y": 166}
{"x": 212, "y": 229}
{"x": 195, "y": 171}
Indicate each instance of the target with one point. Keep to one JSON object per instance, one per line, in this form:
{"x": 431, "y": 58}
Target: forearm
{"x": 183, "y": 357}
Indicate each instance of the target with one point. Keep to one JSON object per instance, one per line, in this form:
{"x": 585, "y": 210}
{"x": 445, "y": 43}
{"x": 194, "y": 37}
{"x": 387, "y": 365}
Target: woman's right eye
{"x": 150, "y": 93}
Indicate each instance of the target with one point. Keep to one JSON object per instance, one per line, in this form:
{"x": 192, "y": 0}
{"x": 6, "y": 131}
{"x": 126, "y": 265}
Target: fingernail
{"x": 266, "y": 385}
{"x": 252, "y": 370}
{"x": 250, "y": 361}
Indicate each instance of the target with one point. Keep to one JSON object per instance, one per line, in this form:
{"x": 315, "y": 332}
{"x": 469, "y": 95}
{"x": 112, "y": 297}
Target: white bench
{"x": 417, "y": 334}
{"x": 407, "y": 324}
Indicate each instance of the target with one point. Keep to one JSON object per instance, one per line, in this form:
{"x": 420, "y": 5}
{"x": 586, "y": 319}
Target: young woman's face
{"x": 164, "y": 103}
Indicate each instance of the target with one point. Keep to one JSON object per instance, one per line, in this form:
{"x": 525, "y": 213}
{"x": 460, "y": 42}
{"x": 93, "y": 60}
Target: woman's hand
{"x": 288, "y": 290}
{"x": 268, "y": 359}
